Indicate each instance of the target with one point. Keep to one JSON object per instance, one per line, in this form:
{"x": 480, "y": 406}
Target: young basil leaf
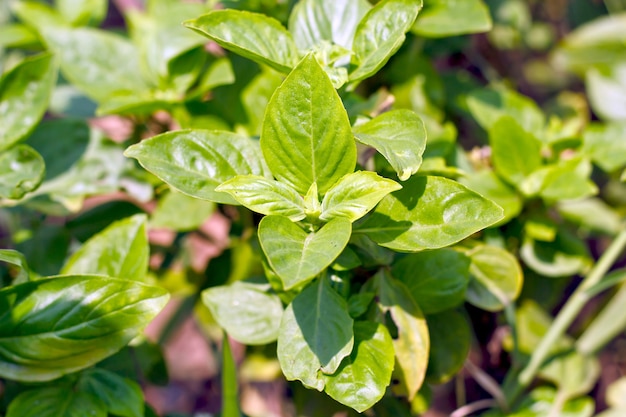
{"x": 56, "y": 402}
{"x": 122, "y": 396}
{"x": 121, "y": 250}
{"x": 441, "y": 18}
{"x": 306, "y": 134}
{"x": 52, "y": 327}
{"x": 450, "y": 337}
{"x": 251, "y": 35}
{"x": 412, "y": 344}
{"x": 24, "y": 94}
{"x": 428, "y": 213}
{"x": 297, "y": 256}
{"x": 248, "y": 313}
{"x": 265, "y": 196}
{"x": 380, "y": 33}
{"x": 355, "y": 195}
{"x": 22, "y": 169}
{"x": 315, "y": 334}
{"x": 362, "y": 379}
{"x": 400, "y": 136}
{"x": 313, "y": 21}
{"x": 195, "y": 162}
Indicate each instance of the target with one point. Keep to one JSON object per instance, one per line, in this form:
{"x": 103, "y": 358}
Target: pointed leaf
{"x": 355, "y": 195}
{"x": 306, "y": 135}
{"x": 412, "y": 344}
{"x": 400, "y": 136}
{"x": 60, "y": 325}
{"x": 196, "y": 161}
{"x": 24, "y": 94}
{"x": 380, "y": 33}
{"x": 441, "y": 18}
{"x": 315, "y": 334}
{"x": 22, "y": 169}
{"x": 488, "y": 184}
{"x": 265, "y": 196}
{"x": 428, "y": 213}
{"x": 121, "y": 250}
{"x": 248, "y": 313}
{"x": 122, "y": 396}
{"x": 251, "y": 35}
{"x": 297, "y": 256}
{"x": 56, "y": 402}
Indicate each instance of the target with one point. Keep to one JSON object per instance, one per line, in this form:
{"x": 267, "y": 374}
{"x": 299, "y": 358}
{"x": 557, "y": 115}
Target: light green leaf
{"x": 573, "y": 373}
{"x": 515, "y": 153}
{"x": 297, "y": 256}
{"x": 541, "y": 401}
{"x": 567, "y": 180}
{"x": 355, "y": 195}
{"x": 380, "y": 33}
{"x": 24, "y": 94}
{"x": 17, "y": 35}
{"x": 592, "y": 214}
{"x": 251, "y": 35}
{"x": 37, "y": 15}
{"x": 56, "y": 402}
{"x": 441, "y": 18}
{"x": 489, "y": 185}
{"x": 265, "y": 196}
{"x": 21, "y": 171}
{"x": 566, "y": 255}
{"x": 18, "y": 260}
{"x": 121, "y": 250}
{"x": 412, "y": 344}
{"x": 82, "y": 12}
{"x": 315, "y": 334}
{"x": 450, "y": 340}
{"x": 56, "y": 326}
{"x": 246, "y": 311}
{"x": 196, "y": 161}
{"x": 306, "y": 134}
{"x": 100, "y": 64}
{"x": 605, "y": 145}
{"x": 400, "y": 136}
{"x": 122, "y": 396}
{"x": 606, "y": 88}
{"x": 495, "y": 278}
{"x": 363, "y": 377}
{"x": 533, "y": 323}
{"x": 180, "y": 212}
{"x": 428, "y": 213}
{"x": 313, "y": 21}
{"x": 436, "y": 279}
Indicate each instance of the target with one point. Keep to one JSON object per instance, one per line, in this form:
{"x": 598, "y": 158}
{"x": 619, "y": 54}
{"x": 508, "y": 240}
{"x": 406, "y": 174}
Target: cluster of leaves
{"x": 359, "y": 226}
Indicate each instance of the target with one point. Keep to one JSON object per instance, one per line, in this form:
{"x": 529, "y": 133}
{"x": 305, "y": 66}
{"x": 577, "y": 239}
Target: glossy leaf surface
{"x": 55, "y": 326}
{"x": 56, "y": 402}
{"x": 297, "y": 256}
{"x": 306, "y": 135}
{"x": 21, "y": 170}
{"x": 488, "y": 184}
{"x": 428, "y": 213}
{"x": 315, "y": 335}
{"x": 122, "y": 396}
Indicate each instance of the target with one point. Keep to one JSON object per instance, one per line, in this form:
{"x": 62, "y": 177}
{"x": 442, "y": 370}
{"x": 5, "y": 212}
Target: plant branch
{"x": 468, "y": 409}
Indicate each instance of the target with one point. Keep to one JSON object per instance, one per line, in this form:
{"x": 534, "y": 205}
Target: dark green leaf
{"x": 450, "y": 340}
{"x": 122, "y": 396}
{"x": 442, "y": 18}
{"x": 56, "y": 402}
{"x": 21, "y": 170}
{"x": 55, "y": 326}
{"x": 315, "y": 334}
{"x": 428, "y": 213}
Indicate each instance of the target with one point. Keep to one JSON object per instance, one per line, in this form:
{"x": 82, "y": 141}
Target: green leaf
{"x": 412, "y": 344}
{"x": 495, "y": 278}
{"x": 18, "y": 260}
{"x": 82, "y": 12}
{"x": 361, "y": 380}
{"x": 380, "y": 33}
{"x": 315, "y": 334}
{"x": 180, "y": 212}
{"x": 573, "y": 373}
{"x": 297, "y": 256}
{"x": 450, "y": 340}
{"x": 21, "y": 171}
{"x": 100, "y": 64}
{"x": 515, "y": 153}
{"x": 24, "y": 94}
{"x": 566, "y": 255}
{"x": 121, "y": 250}
{"x": 541, "y": 401}
{"x": 37, "y": 15}
{"x": 602, "y": 146}
{"x": 17, "y": 35}
{"x": 592, "y": 214}
{"x": 56, "y": 326}
{"x": 355, "y": 195}
{"x": 313, "y": 21}
{"x": 441, "y": 18}
{"x": 606, "y": 88}
{"x": 616, "y": 393}
{"x": 265, "y": 196}
{"x": 400, "y": 136}
{"x": 246, "y": 311}
{"x": 436, "y": 279}
{"x": 428, "y": 213}
{"x": 566, "y": 180}
{"x": 306, "y": 135}
{"x": 56, "y": 402}
{"x": 195, "y": 162}
{"x": 122, "y": 396}
{"x": 251, "y": 35}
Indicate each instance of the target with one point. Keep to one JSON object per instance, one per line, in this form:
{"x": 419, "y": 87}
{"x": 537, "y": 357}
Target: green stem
{"x": 566, "y": 316}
